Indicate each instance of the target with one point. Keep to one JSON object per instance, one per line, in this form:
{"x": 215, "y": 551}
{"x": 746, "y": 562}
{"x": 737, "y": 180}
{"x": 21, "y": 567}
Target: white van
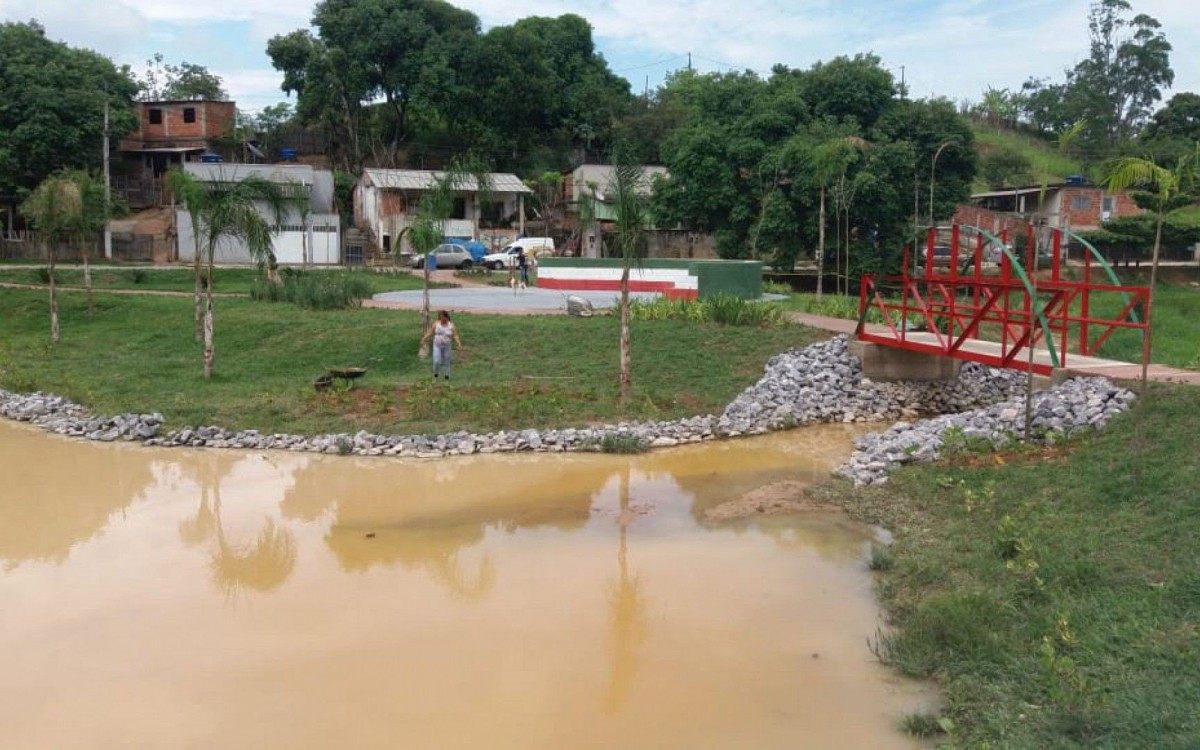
{"x": 533, "y": 247}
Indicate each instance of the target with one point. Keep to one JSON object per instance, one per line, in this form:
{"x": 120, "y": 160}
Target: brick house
{"x": 1066, "y": 206}
{"x": 172, "y": 133}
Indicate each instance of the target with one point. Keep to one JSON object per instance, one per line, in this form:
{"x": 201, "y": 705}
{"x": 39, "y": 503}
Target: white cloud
{"x": 112, "y": 28}
{"x": 949, "y": 47}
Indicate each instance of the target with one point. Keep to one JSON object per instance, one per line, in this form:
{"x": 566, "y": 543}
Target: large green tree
{"x": 52, "y": 107}
{"x": 398, "y": 81}
{"x": 1108, "y": 95}
{"x": 755, "y": 160}
{"x": 401, "y": 53}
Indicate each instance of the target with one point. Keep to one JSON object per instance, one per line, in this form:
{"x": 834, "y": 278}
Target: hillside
{"x": 1048, "y": 164}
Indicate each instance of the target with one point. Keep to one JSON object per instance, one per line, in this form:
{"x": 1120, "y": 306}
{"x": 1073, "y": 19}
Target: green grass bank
{"x": 226, "y": 280}
{"x": 1053, "y": 595}
{"x": 137, "y": 354}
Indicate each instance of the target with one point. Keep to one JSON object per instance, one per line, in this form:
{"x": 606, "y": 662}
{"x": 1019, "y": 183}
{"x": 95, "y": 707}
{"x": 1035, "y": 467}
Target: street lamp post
{"x": 933, "y": 168}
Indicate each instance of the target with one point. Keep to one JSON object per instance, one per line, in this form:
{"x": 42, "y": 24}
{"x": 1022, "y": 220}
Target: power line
{"x": 664, "y": 61}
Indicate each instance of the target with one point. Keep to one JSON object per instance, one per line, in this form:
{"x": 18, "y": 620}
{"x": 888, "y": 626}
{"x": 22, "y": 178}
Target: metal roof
{"x": 1025, "y": 190}
{"x": 423, "y": 179}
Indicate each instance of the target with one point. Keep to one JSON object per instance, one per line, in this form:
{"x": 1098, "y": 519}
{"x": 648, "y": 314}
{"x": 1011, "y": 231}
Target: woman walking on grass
{"x": 444, "y": 335}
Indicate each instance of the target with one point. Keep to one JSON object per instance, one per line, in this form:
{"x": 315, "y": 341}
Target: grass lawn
{"x": 137, "y": 354}
{"x": 1054, "y": 595}
{"x": 236, "y": 280}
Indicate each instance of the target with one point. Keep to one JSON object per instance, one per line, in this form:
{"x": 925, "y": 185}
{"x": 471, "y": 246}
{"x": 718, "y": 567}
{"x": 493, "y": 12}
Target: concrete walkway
{"x": 1077, "y": 364}
{"x": 497, "y": 300}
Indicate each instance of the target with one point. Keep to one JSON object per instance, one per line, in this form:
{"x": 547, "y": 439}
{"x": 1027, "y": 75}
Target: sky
{"x": 953, "y": 48}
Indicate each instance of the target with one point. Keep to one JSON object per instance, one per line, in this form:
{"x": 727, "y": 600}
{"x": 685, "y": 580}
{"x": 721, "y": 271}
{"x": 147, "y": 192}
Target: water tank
{"x": 1075, "y": 179}
{"x": 211, "y": 158}
{"x": 287, "y": 154}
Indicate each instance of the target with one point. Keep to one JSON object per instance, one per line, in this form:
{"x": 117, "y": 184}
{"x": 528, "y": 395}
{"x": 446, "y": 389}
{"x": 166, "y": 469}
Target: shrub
{"x": 923, "y": 725}
{"x": 43, "y": 275}
{"x": 137, "y": 275}
{"x": 322, "y": 290}
{"x": 723, "y": 309}
{"x": 616, "y": 443}
{"x": 881, "y": 558}
{"x": 776, "y": 287}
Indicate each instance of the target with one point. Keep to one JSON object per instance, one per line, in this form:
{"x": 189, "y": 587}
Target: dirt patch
{"x": 772, "y": 499}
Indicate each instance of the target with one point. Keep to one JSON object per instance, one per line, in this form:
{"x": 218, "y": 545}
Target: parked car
{"x": 992, "y": 254}
{"x": 476, "y": 248}
{"x": 447, "y": 256}
{"x": 533, "y": 247}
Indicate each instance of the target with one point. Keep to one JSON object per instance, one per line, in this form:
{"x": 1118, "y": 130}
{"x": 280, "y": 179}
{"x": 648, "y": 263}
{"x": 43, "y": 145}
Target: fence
{"x": 27, "y": 246}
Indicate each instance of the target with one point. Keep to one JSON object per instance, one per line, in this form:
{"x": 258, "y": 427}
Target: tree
{"x": 1006, "y": 167}
{"x": 630, "y": 209}
{"x": 999, "y": 107}
{"x": 1179, "y": 118}
{"x": 399, "y": 52}
{"x": 754, "y": 160}
{"x": 1166, "y": 186}
{"x": 52, "y": 107}
{"x": 1125, "y": 71}
{"x": 230, "y": 212}
{"x": 94, "y": 210}
{"x": 826, "y": 162}
{"x": 54, "y": 208}
{"x": 189, "y": 191}
{"x": 185, "y": 81}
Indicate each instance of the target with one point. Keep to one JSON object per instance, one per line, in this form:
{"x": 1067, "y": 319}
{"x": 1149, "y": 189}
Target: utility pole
{"x": 107, "y": 184}
{"x": 902, "y": 83}
{"x": 689, "y": 62}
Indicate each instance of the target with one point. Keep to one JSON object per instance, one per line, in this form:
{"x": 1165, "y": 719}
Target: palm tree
{"x": 54, "y": 208}
{"x": 192, "y": 194}
{"x": 230, "y": 211}
{"x": 1166, "y": 188}
{"x": 93, "y": 215}
{"x": 629, "y": 205}
{"x": 428, "y": 229}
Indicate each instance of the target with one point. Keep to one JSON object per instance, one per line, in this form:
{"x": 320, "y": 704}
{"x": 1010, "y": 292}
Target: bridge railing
{"x": 984, "y": 306}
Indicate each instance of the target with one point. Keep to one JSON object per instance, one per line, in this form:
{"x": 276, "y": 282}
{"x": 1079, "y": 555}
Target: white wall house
{"x": 315, "y": 238}
{"x": 385, "y": 201}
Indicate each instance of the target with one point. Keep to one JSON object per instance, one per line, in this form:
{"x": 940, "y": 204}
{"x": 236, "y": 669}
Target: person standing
{"x": 445, "y": 337}
{"x": 523, "y": 266}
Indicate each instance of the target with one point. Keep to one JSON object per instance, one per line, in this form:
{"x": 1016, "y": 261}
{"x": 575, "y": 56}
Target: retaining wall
{"x": 674, "y": 279}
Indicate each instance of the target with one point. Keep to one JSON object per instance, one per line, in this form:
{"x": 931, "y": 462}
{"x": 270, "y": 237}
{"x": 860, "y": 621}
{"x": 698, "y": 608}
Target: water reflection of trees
{"x": 260, "y": 565}
{"x": 628, "y": 616}
{"x": 60, "y": 493}
{"x": 428, "y": 515}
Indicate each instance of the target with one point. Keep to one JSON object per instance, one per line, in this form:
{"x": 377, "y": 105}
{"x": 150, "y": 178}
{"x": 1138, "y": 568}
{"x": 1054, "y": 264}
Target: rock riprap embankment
{"x": 819, "y": 383}
{"x": 1081, "y": 403}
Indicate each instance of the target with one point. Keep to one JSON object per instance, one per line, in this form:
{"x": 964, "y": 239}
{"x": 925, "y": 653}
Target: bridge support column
{"x": 887, "y": 363}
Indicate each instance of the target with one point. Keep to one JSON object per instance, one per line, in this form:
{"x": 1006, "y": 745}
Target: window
{"x": 1110, "y": 204}
{"x": 1081, "y": 203}
{"x": 155, "y": 116}
{"x": 189, "y": 114}
{"x": 459, "y": 210}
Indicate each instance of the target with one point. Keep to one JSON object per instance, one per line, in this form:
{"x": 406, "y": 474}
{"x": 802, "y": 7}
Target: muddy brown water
{"x": 171, "y": 598}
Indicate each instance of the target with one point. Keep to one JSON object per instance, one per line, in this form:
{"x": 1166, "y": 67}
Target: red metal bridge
{"x": 968, "y": 295}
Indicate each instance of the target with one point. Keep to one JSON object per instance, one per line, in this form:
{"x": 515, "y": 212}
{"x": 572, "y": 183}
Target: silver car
{"x": 447, "y": 256}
